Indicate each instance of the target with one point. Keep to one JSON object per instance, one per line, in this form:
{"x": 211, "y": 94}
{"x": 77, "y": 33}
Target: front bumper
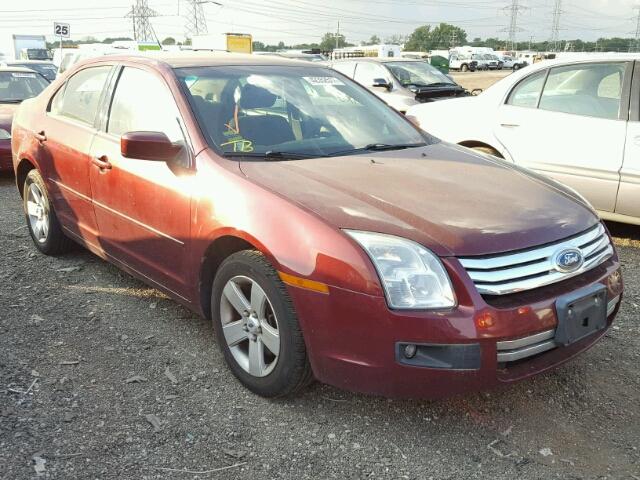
{"x": 354, "y": 340}
{"x": 6, "y": 162}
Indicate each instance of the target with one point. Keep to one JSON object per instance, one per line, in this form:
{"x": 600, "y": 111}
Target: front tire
{"x": 44, "y": 227}
{"x": 488, "y": 151}
{"x": 464, "y": 67}
{"x": 257, "y": 327}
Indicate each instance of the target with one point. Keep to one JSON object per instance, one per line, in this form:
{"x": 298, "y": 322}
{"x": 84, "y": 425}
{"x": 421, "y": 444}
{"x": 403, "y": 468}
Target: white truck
{"x": 24, "y": 47}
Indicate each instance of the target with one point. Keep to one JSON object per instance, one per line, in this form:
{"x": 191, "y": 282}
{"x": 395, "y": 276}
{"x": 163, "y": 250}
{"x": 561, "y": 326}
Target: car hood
{"x": 445, "y": 197}
{"x": 6, "y": 115}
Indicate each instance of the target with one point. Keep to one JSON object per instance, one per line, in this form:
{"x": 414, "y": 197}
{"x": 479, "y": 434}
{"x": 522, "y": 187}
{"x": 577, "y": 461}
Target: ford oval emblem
{"x": 569, "y": 260}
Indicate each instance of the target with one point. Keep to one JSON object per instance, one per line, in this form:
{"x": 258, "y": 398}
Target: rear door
{"x": 66, "y": 136}
{"x": 629, "y": 194}
{"x": 571, "y": 124}
{"x": 143, "y": 207}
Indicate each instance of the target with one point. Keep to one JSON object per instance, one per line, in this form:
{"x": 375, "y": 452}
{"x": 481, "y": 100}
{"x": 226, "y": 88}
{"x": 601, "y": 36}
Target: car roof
{"x": 577, "y": 58}
{"x": 199, "y": 59}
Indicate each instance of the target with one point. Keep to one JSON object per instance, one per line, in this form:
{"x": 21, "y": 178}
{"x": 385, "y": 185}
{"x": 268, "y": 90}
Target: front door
{"x": 570, "y": 125}
{"x": 143, "y": 207}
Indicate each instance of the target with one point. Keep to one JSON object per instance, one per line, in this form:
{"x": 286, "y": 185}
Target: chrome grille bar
{"x": 525, "y": 270}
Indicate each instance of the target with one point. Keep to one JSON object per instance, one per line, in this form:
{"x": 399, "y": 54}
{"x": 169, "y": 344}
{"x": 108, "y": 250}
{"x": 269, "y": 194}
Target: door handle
{"x": 102, "y": 163}
{"x": 40, "y": 136}
{"x": 509, "y": 125}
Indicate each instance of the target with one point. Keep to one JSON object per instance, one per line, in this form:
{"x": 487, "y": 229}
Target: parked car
{"x": 482, "y": 62}
{"x": 576, "y": 121}
{"x": 463, "y": 63}
{"x": 16, "y": 85}
{"x": 323, "y": 233}
{"x": 491, "y": 62}
{"x": 47, "y": 69}
{"x": 401, "y": 82}
{"x": 512, "y": 63}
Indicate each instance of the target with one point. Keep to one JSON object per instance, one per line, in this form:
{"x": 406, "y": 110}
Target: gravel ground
{"x": 102, "y": 377}
{"x": 483, "y": 80}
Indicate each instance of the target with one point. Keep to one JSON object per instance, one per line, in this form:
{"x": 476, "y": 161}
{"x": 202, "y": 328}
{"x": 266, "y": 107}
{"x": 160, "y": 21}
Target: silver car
{"x": 401, "y": 82}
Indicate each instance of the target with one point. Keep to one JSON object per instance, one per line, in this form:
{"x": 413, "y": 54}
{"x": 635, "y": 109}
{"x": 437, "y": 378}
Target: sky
{"x": 300, "y": 21}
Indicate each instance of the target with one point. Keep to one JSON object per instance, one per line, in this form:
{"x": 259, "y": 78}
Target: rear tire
{"x": 253, "y": 315}
{"x": 44, "y": 227}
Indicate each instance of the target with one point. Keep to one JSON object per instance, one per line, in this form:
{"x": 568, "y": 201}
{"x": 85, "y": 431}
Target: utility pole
{"x": 338, "y": 36}
{"x": 140, "y": 14}
{"x": 637, "y": 42}
{"x": 555, "y": 27}
{"x": 454, "y": 39}
{"x": 196, "y": 22}
{"x": 513, "y": 10}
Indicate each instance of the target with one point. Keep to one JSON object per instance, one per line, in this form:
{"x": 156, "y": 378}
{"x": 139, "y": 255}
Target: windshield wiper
{"x": 378, "y": 147}
{"x": 442, "y": 84}
{"x": 12, "y": 100}
{"x": 271, "y": 155}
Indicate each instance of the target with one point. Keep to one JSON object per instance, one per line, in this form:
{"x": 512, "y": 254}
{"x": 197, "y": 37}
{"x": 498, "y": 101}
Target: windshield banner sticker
{"x": 322, "y": 81}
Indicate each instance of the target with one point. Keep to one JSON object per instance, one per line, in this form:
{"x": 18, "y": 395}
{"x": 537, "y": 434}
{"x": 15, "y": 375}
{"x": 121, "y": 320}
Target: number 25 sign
{"x": 61, "y": 30}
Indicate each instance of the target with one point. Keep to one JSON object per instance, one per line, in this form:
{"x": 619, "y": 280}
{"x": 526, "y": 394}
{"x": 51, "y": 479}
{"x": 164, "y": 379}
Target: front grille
{"x": 513, "y": 272}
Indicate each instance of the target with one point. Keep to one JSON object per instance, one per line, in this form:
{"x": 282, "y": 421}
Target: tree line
{"x": 423, "y": 39}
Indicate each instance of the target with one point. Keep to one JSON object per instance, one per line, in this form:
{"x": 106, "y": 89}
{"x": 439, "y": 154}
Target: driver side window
{"x": 143, "y": 103}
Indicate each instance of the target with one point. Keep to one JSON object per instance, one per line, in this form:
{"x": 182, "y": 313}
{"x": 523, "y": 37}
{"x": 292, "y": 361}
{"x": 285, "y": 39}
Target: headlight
{"x": 412, "y": 277}
{"x": 4, "y": 134}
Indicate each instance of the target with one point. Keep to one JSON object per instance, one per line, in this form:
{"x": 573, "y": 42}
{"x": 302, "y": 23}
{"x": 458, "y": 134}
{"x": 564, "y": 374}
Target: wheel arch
{"x": 226, "y": 243}
{"x": 476, "y": 144}
{"x": 24, "y": 167}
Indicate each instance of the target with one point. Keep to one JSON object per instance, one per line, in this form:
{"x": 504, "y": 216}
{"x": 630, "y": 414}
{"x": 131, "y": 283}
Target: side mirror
{"x": 382, "y": 83}
{"x": 476, "y": 91}
{"x": 148, "y": 146}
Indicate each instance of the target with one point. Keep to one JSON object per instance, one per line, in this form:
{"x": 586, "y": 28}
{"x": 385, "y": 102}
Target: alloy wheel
{"x": 250, "y": 326}
{"x": 38, "y": 212}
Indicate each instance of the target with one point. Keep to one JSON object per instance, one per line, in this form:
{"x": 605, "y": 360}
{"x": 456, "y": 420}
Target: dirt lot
{"x": 104, "y": 378}
{"x": 483, "y": 80}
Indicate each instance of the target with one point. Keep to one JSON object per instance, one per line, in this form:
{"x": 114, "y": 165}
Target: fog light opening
{"x": 410, "y": 350}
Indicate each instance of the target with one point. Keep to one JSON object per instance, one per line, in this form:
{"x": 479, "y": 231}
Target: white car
{"x": 576, "y": 121}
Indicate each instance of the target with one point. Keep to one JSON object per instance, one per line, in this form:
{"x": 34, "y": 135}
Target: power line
{"x": 140, "y": 14}
{"x": 195, "y": 21}
{"x": 555, "y": 27}
{"x": 514, "y": 9}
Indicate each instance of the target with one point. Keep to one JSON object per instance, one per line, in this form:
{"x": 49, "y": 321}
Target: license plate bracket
{"x": 581, "y": 314}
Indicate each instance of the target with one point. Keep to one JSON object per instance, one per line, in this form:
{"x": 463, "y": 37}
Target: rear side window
{"x": 590, "y": 90}
{"x": 367, "y": 72}
{"x": 80, "y": 97}
{"x": 527, "y": 92}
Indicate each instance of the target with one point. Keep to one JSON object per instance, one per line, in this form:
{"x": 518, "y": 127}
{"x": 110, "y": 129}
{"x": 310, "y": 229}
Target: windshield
{"x": 18, "y": 86}
{"x": 419, "y": 74}
{"x": 47, "y": 70}
{"x": 275, "y": 111}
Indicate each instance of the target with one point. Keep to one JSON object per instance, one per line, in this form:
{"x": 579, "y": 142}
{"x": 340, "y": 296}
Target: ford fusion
{"x": 322, "y": 233}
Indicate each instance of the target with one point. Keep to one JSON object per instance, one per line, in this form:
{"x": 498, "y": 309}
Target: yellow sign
{"x": 239, "y": 43}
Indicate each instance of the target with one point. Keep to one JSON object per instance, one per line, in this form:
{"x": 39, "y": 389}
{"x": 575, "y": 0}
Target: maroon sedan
{"x": 16, "y": 85}
{"x": 323, "y": 234}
